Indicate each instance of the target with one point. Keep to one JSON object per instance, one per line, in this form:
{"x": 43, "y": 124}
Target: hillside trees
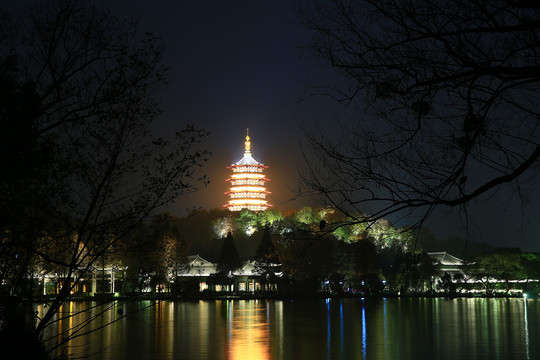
{"x": 82, "y": 165}
{"x": 441, "y": 103}
{"x": 291, "y": 244}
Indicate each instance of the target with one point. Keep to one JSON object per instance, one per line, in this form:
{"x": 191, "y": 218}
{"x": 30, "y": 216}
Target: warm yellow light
{"x": 247, "y": 188}
{"x": 248, "y": 143}
{"x": 247, "y": 195}
{"x": 247, "y": 181}
{"x": 247, "y": 176}
{"x": 250, "y": 207}
{"x": 247, "y": 202}
{"x": 237, "y": 169}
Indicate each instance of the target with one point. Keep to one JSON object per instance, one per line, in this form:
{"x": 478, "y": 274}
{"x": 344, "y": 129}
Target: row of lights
{"x": 237, "y": 189}
{"x": 247, "y": 176}
{"x": 247, "y": 182}
{"x": 251, "y": 207}
{"x": 248, "y": 195}
{"x": 247, "y": 169}
{"x": 247, "y": 202}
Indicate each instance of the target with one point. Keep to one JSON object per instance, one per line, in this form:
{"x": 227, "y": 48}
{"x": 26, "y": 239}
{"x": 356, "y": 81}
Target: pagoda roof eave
{"x": 258, "y": 192}
{"x": 255, "y": 165}
{"x": 261, "y": 179}
{"x": 266, "y": 205}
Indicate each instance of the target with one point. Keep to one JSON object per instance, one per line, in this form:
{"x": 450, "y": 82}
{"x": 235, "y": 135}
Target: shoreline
{"x": 266, "y": 296}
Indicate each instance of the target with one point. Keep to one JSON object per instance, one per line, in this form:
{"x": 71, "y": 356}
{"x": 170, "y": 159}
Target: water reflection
{"x": 526, "y": 328}
{"x": 248, "y": 330}
{"x": 364, "y": 333}
{"x": 406, "y": 328}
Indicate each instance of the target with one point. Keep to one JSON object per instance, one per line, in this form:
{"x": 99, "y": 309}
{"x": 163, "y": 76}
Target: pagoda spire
{"x": 248, "y": 143}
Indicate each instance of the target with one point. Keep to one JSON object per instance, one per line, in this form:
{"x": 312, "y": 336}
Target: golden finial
{"x": 248, "y": 143}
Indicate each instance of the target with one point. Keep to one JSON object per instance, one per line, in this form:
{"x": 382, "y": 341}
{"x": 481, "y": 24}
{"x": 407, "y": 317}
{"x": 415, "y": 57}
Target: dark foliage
{"x": 81, "y": 169}
{"x": 228, "y": 258}
{"x": 267, "y": 253}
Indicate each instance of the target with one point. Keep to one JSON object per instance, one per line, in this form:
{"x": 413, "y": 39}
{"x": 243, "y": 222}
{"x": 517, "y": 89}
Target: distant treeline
{"x": 317, "y": 246}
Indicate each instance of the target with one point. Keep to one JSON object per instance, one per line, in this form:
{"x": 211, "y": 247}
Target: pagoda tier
{"x": 247, "y": 182}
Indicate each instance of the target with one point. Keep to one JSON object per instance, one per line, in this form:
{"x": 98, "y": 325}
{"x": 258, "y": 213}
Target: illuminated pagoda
{"x": 247, "y": 181}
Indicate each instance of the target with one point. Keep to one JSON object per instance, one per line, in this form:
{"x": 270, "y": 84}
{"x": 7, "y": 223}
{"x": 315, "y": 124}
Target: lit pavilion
{"x": 247, "y": 181}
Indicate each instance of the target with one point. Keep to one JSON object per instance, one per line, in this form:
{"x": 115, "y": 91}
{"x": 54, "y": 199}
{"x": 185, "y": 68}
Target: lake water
{"x": 395, "y": 328}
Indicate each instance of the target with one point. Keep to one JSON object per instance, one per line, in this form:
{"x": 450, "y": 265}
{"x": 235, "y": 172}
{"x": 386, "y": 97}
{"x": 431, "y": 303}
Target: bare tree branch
{"x": 448, "y": 94}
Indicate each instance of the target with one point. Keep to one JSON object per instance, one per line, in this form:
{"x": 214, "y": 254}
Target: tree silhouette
{"x": 228, "y": 257}
{"x": 266, "y": 251}
{"x": 441, "y": 102}
{"x": 83, "y": 168}
{"x": 267, "y": 258}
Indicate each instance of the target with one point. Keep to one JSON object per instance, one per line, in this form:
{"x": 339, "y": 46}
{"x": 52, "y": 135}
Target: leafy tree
{"x": 358, "y": 264}
{"x": 140, "y": 258}
{"x": 267, "y": 259}
{"x": 531, "y": 269}
{"x": 442, "y": 102}
{"x": 246, "y": 222}
{"x": 306, "y": 260}
{"x": 266, "y": 251}
{"x": 446, "y": 283}
{"x": 500, "y": 266}
{"x": 309, "y": 216}
{"x": 269, "y": 217}
{"x": 84, "y": 86}
{"x": 175, "y": 253}
{"x": 421, "y": 272}
{"x": 351, "y": 232}
{"x": 391, "y": 264}
{"x": 429, "y": 271}
{"x": 171, "y": 248}
{"x": 223, "y": 226}
{"x": 199, "y": 233}
{"x": 459, "y": 281}
{"x": 228, "y": 258}
{"x": 155, "y": 254}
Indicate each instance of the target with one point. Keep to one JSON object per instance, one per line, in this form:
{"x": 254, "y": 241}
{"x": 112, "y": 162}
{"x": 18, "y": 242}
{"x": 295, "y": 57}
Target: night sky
{"x": 239, "y": 64}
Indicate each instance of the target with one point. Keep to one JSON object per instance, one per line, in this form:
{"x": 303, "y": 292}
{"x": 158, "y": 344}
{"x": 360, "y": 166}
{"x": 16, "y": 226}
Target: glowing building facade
{"x": 247, "y": 180}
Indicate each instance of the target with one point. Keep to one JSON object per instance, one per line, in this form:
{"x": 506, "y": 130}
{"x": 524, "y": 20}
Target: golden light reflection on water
{"x": 406, "y": 328}
{"x": 248, "y": 330}
{"x": 72, "y": 320}
{"x": 228, "y": 329}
